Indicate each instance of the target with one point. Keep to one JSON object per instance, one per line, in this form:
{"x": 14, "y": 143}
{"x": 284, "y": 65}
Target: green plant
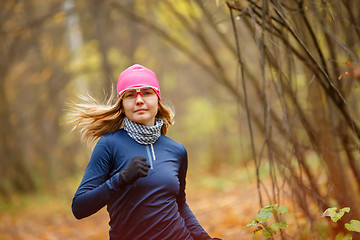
{"x": 353, "y": 226}
{"x": 262, "y": 218}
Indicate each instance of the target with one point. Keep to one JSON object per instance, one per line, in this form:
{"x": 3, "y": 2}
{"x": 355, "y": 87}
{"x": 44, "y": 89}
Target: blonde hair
{"x": 95, "y": 119}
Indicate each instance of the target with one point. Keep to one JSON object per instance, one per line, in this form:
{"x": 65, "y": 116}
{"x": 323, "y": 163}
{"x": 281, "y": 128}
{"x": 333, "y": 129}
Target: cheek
{"x": 155, "y": 107}
{"x": 126, "y": 108}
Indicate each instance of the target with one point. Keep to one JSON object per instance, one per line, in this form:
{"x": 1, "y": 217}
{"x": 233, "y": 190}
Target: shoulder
{"x": 117, "y": 135}
{"x": 112, "y": 138}
{"x": 172, "y": 144}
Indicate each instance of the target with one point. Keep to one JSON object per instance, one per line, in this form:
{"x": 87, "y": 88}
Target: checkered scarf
{"x": 141, "y": 133}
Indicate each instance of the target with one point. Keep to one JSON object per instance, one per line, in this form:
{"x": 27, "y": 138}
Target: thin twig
{"x": 246, "y": 106}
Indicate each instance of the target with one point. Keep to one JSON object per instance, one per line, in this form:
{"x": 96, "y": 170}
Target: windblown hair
{"x": 95, "y": 119}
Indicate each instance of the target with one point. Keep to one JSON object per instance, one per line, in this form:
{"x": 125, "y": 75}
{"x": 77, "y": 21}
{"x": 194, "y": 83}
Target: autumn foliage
{"x": 263, "y": 89}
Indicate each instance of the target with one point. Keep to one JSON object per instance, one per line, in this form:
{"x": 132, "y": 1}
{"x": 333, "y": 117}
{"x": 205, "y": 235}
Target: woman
{"x": 135, "y": 170}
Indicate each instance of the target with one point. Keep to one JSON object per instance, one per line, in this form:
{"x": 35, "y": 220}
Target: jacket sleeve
{"x": 97, "y": 188}
{"x": 192, "y": 224}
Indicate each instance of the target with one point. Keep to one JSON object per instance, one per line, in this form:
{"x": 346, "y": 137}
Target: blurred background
{"x": 265, "y": 95}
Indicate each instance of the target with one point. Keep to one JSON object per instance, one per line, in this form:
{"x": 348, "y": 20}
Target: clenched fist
{"x": 136, "y": 168}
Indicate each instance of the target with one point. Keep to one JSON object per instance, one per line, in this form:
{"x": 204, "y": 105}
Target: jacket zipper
{"x": 151, "y": 155}
{"x": 153, "y": 152}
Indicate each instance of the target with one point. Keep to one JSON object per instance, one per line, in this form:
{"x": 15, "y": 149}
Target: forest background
{"x": 265, "y": 94}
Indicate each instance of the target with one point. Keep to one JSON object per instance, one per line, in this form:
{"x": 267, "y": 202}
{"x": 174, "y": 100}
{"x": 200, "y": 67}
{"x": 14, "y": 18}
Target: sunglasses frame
{"x": 138, "y": 90}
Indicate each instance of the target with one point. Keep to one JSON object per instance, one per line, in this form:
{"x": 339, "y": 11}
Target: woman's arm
{"x": 192, "y": 224}
{"x": 96, "y": 188}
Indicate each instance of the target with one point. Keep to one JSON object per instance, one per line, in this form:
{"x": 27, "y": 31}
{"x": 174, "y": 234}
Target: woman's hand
{"x": 136, "y": 168}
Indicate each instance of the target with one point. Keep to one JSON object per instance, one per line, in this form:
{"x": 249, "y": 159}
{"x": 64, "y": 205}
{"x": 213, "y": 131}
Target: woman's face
{"x": 140, "y": 105}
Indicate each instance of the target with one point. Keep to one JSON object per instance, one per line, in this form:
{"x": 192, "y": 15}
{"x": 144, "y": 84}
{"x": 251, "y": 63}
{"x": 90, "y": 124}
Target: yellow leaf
{"x": 59, "y": 17}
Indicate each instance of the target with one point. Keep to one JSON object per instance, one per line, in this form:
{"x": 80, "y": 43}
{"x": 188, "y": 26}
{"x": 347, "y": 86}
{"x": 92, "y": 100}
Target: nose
{"x": 139, "y": 99}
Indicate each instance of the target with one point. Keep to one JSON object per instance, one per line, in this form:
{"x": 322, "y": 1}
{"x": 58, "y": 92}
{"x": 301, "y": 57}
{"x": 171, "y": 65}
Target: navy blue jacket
{"x": 154, "y": 208}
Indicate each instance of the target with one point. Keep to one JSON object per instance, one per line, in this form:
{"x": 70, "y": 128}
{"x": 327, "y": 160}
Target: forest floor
{"x": 223, "y": 206}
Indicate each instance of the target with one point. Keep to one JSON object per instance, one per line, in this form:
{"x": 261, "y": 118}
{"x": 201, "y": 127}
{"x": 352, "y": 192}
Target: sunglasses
{"x": 132, "y": 93}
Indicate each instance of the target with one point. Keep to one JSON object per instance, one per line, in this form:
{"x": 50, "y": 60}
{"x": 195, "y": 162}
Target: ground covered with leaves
{"x": 223, "y": 205}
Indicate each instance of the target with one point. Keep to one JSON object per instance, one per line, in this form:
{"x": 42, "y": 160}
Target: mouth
{"x": 140, "y": 110}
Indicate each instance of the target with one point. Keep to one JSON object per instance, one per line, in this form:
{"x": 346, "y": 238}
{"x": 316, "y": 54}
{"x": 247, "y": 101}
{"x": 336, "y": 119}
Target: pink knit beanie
{"x": 137, "y": 76}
